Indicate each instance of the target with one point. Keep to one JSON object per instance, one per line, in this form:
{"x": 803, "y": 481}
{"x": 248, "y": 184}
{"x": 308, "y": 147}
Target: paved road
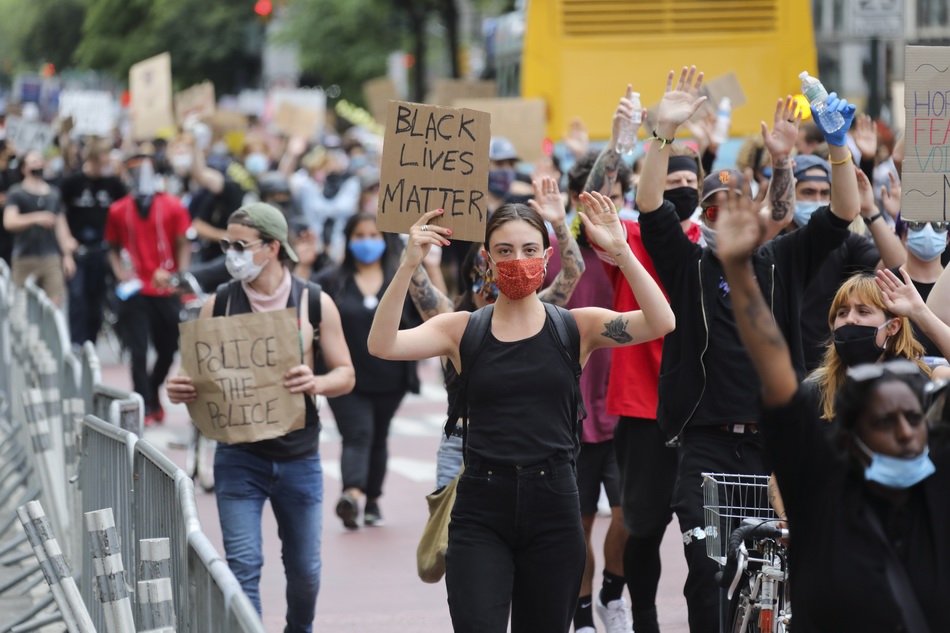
{"x": 369, "y": 580}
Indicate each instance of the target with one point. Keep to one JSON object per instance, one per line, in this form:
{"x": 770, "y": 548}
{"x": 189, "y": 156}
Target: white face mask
{"x": 241, "y": 266}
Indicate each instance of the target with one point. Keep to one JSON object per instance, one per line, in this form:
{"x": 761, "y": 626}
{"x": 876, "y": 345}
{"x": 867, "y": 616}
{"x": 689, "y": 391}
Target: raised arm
{"x": 780, "y": 141}
{"x": 549, "y": 205}
{"x": 678, "y": 104}
{"x": 845, "y": 202}
{"x": 901, "y": 298}
{"x": 738, "y": 231}
{"x": 439, "y": 336}
{"x": 600, "y": 327}
{"x": 893, "y": 253}
{"x": 429, "y": 300}
{"x": 603, "y": 174}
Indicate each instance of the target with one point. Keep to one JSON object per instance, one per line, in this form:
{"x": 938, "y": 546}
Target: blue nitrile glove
{"x": 834, "y": 104}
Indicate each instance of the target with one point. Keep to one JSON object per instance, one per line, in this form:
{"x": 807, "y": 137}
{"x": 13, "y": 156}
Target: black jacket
{"x": 691, "y": 275}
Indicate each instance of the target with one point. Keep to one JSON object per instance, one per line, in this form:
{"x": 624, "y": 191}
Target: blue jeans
{"x": 448, "y": 460}
{"x": 243, "y": 481}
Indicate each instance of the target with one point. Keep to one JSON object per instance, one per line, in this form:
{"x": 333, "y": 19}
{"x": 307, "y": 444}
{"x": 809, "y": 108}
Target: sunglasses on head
{"x": 238, "y": 245}
{"x": 711, "y": 212}
{"x": 873, "y": 371}
{"x": 939, "y": 227}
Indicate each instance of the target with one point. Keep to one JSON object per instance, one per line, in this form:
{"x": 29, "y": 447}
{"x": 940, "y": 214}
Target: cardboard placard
{"x": 150, "y": 87}
{"x": 237, "y": 366}
{"x": 925, "y": 180}
{"x": 446, "y": 91}
{"x": 378, "y": 93}
{"x": 312, "y": 101}
{"x": 196, "y": 101}
{"x": 521, "y": 121}
{"x": 295, "y": 121}
{"x": 29, "y": 135}
{"x": 434, "y": 158}
{"x": 92, "y": 111}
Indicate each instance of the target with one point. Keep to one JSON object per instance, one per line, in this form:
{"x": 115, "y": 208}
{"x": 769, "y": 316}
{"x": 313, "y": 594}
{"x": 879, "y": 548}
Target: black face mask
{"x": 143, "y": 204}
{"x": 37, "y": 173}
{"x": 857, "y": 344}
{"x": 685, "y": 199}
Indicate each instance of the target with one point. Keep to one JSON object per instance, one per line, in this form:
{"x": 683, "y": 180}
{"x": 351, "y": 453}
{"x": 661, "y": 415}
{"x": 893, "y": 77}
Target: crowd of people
{"x": 782, "y": 315}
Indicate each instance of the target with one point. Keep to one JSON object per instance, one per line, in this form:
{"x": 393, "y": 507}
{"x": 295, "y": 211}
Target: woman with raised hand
{"x": 516, "y": 543}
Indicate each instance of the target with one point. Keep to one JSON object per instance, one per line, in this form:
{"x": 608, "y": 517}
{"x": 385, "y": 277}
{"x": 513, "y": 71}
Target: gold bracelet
{"x": 841, "y": 162}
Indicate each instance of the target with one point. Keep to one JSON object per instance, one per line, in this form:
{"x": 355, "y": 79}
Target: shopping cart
{"x": 727, "y": 500}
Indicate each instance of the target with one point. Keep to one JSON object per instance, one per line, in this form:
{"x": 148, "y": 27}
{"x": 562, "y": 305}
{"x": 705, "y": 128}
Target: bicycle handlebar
{"x": 750, "y": 529}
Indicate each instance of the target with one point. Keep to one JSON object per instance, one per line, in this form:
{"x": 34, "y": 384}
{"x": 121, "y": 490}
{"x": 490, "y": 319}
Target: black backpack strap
{"x": 479, "y": 324}
{"x": 222, "y": 299}
{"x": 314, "y": 308}
{"x": 569, "y": 338}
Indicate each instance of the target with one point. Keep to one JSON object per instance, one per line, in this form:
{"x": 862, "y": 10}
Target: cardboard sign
{"x": 378, "y": 93}
{"x": 434, "y": 158}
{"x": 446, "y": 91}
{"x": 307, "y": 106}
{"x": 29, "y": 135}
{"x": 196, "y": 101}
{"x": 521, "y": 121}
{"x": 150, "y": 87}
{"x": 295, "y": 121}
{"x": 91, "y": 111}
{"x": 237, "y": 365}
{"x": 925, "y": 190}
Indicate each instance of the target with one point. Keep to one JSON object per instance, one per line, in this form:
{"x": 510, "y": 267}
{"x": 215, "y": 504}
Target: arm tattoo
{"x": 603, "y": 174}
{"x": 428, "y": 301}
{"x": 761, "y": 319}
{"x": 616, "y": 331}
{"x": 781, "y": 190}
{"x": 572, "y": 267}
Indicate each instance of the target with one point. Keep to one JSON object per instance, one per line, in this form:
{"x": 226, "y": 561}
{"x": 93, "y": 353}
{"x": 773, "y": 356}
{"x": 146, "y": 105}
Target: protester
{"x": 150, "y": 227}
{"x": 286, "y": 470}
{"x": 708, "y": 387}
{"x": 515, "y": 540}
{"x": 42, "y": 243}
{"x": 363, "y": 416}
{"x": 87, "y": 197}
{"x": 873, "y": 495}
{"x": 925, "y": 243}
{"x": 326, "y": 195}
{"x": 9, "y": 176}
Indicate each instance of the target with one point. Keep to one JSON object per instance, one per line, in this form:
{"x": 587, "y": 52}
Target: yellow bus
{"x": 579, "y": 55}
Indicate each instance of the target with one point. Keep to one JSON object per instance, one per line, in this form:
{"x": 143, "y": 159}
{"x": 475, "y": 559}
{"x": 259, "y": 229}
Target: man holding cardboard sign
{"x": 240, "y": 374}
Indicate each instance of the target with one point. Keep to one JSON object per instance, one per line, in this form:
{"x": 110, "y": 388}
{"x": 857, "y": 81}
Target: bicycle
{"x": 738, "y": 506}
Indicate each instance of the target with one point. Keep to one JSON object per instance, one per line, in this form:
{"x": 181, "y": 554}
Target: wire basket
{"x": 727, "y": 500}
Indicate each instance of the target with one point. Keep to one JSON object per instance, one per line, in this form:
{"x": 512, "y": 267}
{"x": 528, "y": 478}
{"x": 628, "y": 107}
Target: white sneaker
{"x": 615, "y": 615}
{"x": 586, "y": 629}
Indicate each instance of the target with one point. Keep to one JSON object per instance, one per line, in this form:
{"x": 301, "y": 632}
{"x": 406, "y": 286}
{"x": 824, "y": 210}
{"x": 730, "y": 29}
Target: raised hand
{"x": 422, "y": 237}
{"x": 547, "y": 200}
{"x": 680, "y": 101}
{"x": 865, "y": 137}
{"x": 892, "y": 200}
{"x": 900, "y": 296}
{"x": 739, "y": 226}
{"x": 865, "y": 193}
{"x": 576, "y": 139}
{"x": 600, "y": 218}
{"x": 702, "y": 130}
{"x": 625, "y": 112}
{"x": 838, "y": 137}
{"x": 780, "y": 141}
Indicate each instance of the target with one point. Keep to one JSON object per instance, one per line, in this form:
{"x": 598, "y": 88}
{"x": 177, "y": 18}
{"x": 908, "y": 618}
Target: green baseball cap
{"x": 271, "y": 223}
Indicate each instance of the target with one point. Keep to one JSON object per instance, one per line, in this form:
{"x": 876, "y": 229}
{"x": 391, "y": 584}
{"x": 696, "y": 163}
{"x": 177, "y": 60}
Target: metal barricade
{"x": 122, "y": 408}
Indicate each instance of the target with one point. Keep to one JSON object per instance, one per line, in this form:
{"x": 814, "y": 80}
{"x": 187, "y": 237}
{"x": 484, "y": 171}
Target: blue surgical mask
{"x": 804, "y": 211}
{"x": 926, "y": 244}
{"x": 256, "y": 163}
{"x": 896, "y": 472}
{"x": 368, "y": 250}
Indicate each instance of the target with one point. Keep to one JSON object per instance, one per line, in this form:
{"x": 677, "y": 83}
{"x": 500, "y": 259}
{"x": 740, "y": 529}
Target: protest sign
{"x": 92, "y": 111}
{"x": 150, "y": 87}
{"x": 446, "y": 91}
{"x": 311, "y": 103}
{"x": 29, "y": 135}
{"x": 196, "y": 101}
{"x": 295, "y": 121}
{"x": 434, "y": 158}
{"x": 924, "y": 179}
{"x": 378, "y": 93}
{"x": 521, "y": 121}
{"x": 237, "y": 366}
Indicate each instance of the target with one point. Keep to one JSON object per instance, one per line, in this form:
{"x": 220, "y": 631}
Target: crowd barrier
{"x": 73, "y": 443}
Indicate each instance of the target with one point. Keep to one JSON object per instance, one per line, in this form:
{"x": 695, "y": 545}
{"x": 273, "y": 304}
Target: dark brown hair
{"x": 515, "y": 211}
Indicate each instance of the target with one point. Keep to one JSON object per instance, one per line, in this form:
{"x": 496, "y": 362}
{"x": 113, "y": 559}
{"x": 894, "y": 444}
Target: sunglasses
{"x": 237, "y": 245}
{"x": 937, "y": 226}
{"x": 873, "y": 371}
{"x": 711, "y": 212}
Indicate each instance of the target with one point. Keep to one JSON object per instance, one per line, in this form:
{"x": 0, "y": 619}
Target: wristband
{"x": 871, "y": 219}
{"x": 663, "y": 141}
{"x": 841, "y": 162}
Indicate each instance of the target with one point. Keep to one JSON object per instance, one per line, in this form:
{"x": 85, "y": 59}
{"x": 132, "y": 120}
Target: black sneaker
{"x": 347, "y": 509}
{"x": 371, "y": 515}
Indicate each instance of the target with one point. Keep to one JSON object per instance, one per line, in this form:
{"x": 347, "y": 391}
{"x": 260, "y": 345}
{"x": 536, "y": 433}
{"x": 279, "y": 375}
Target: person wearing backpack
{"x": 516, "y": 544}
{"x": 284, "y": 470}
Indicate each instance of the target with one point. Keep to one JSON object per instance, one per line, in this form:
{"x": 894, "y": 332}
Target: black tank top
{"x": 520, "y": 399}
{"x": 297, "y": 443}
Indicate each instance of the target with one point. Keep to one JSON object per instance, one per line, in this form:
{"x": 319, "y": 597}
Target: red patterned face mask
{"x": 518, "y": 278}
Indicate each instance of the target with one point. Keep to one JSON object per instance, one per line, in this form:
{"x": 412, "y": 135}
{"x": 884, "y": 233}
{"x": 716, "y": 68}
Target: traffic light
{"x": 264, "y": 9}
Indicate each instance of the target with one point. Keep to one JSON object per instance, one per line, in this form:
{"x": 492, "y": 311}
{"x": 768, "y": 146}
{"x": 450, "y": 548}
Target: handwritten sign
{"x": 925, "y": 191}
{"x": 29, "y": 135}
{"x": 296, "y": 121}
{"x": 237, "y": 365}
{"x": 196, "y": 101}
{"x": 150, "y": 87}
{"x": 434, "y": 158}
{"x": 521, "y": 121}
{"x": 92, "y": 111}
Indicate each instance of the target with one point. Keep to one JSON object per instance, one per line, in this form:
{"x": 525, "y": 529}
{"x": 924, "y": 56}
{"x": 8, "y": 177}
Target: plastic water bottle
{"x": 817, "y": 95}
{"x": 723, "y": 122}
{"x": 627, "y": 139}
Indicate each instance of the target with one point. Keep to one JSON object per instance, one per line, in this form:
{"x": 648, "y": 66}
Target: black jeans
{"x": 144, "y": 319}
{"x": 87, "y": 292}
{"x": 363, "y": 420}
{"x": 515, "y": 544}
{"x": 707, "y": 450}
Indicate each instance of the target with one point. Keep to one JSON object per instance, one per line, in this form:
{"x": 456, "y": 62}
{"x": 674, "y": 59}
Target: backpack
{"x": 313, "y": 304}
{"x": 479, "y": 324}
